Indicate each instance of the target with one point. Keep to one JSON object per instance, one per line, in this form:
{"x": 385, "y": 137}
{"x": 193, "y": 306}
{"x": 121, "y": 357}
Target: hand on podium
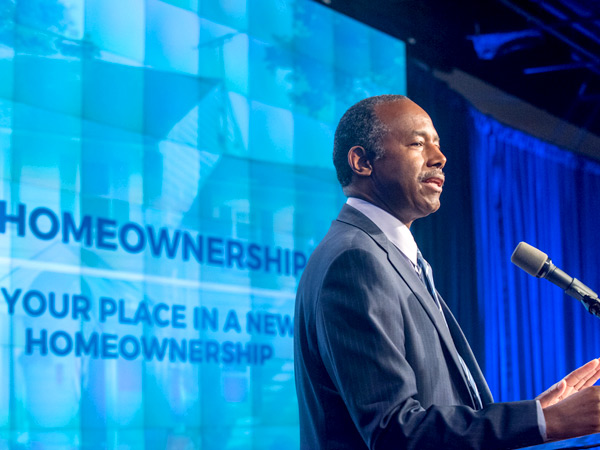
{"x": 572, "y": 406}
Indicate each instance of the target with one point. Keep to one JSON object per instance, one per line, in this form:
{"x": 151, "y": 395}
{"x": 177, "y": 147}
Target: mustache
{"x": 435, "y": 173}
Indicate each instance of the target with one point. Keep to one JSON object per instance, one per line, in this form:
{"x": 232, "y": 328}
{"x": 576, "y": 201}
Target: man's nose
{"x": 435, "y": 157}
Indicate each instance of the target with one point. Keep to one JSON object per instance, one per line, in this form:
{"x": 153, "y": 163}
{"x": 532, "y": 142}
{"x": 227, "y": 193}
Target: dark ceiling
{"x": 546, "y": 52}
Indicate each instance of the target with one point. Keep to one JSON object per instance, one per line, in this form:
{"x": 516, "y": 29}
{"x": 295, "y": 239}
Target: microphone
{"x": 536, "y": 263}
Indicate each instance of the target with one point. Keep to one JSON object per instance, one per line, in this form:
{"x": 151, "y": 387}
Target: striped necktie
{"x": 426, "y": 275}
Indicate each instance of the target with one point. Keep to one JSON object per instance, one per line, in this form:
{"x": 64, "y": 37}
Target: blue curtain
{"x": 524, "y": 189}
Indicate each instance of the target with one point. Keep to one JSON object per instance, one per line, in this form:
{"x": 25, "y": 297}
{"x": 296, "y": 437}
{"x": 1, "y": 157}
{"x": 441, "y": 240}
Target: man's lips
{"x": 438, "y": 181}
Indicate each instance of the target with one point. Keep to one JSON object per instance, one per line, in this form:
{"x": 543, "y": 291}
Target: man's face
{"x": 408, "y": 179}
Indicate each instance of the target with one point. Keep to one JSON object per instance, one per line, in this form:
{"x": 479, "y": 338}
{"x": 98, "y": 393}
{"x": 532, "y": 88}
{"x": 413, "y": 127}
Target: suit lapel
{"x": 406, "y": 271}
{"x": 408, "y": 274}
{"x": 465, "y": 351}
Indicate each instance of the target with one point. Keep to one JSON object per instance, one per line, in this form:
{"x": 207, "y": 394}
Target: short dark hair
{"x": 360, "y": 126}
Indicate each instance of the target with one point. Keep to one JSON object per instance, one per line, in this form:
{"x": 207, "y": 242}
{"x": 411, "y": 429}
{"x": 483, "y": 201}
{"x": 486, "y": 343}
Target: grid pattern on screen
{"x": 165, "y": 172}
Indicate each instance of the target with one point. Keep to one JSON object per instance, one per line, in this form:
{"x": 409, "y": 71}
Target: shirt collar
{"x": 393, "y": 229}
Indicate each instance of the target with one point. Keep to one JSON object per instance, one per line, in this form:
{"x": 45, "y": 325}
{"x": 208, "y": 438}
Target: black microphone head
{"x": 529, "y": 258}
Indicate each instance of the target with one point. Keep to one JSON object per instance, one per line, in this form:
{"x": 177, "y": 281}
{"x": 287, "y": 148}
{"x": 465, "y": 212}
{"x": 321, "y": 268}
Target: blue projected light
{"x": 165, "y": 173}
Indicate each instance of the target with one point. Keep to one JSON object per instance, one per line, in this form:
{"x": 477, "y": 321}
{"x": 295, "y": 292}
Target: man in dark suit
{"x": 380, "y": 361}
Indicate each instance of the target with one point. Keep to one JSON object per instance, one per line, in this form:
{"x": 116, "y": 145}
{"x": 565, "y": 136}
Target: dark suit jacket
{"x": 376, "y": 366}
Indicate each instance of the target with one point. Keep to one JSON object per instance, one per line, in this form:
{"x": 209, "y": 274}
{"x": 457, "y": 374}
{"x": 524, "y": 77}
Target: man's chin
{"x": 431, "y": 208}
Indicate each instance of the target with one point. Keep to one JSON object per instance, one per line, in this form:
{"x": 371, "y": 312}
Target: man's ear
{"x": 359, "y": 161}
